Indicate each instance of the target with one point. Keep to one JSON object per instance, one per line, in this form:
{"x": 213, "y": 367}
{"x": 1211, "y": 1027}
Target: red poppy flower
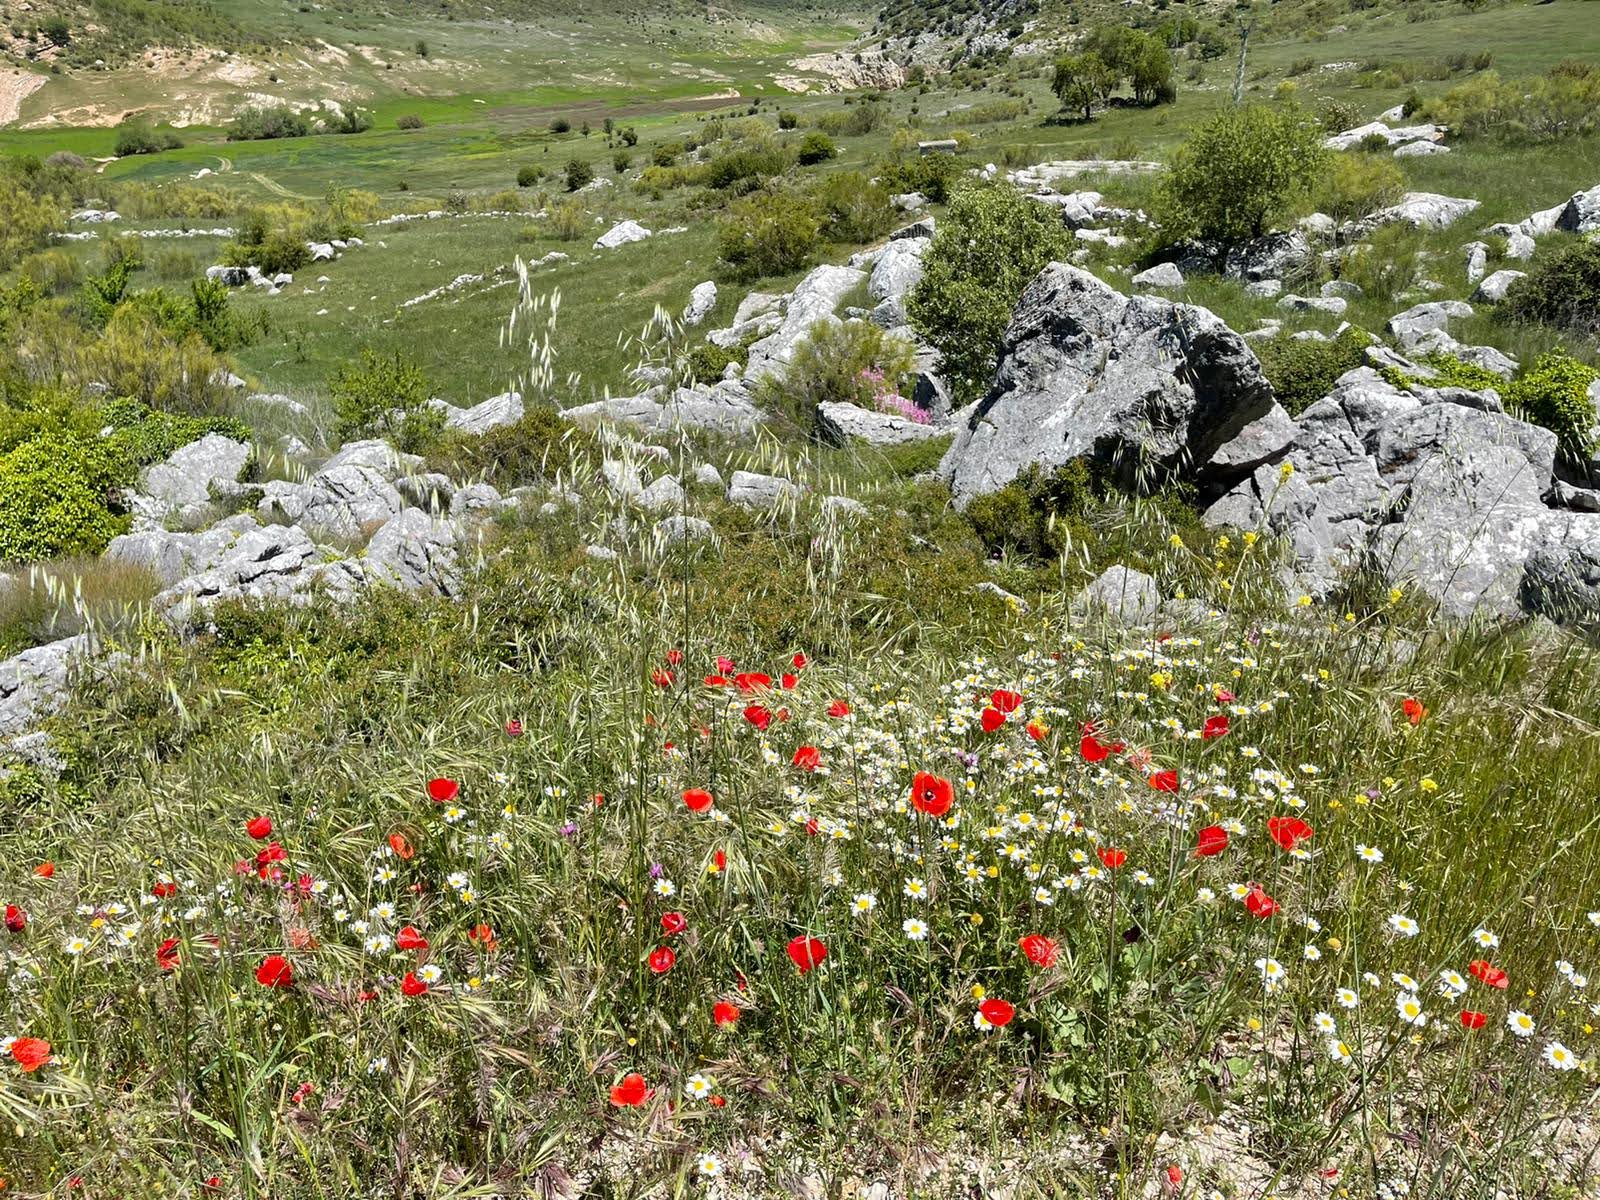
{"x": 259, "y": 828}
{"x": 513, "y": 728}
{"x": 1039, "y": 950}
{"x": 1472, "y": 1020}
{"x": 1223, "y": 696}
{"x": 167, "y": 955}
{"x": 275, "y": 972}
{"x": 442, "y": 791}
{"x": 45, "y": 870}
{"x": 30, "y": 1053}
{"x": 715, "y": 681}
{"x": 719, "y": 861}
{"x": 631, "y": 1092}
{"x": 808, "y": 758}
{"x": 673, "y": 923}
{"x": 484, "y": 934}
{"x": 409, "y": 939}
{"x": 697, "y": 799}
{"x": 759, "y": 716}
{"x": 1490, "y": 976}
{"x": 1037, "y": 730}
{"x": 662, "y": 960}
{"x": 1215, "y": 727}
{"x": 661, "y": 677}
{"x": 1112, "y": 857}
{"x": 399, "y": 844}
{"x": 164, "y": 889}
{"x": 1288, "y": 832}
{"x": 1005, "y": 700}
{"x": 725, "y": 664}
{"x": 412, "y": 986}
{"x": 991, "y": 719}
{"x": 674, "y": 656}
{"x": 838, "y": 709}
{"x": 724, "y": 1013}
{"x": 1413, "y": 709}
{"x": 1211, "y": 840}
{"x": 1093, "y": 750}
{"x": 997, "y": 1012}
{"x": 16, "y": 919}
{"x": 1259, "y": 903}
{"x": 806, "y": 952}
{"x": 751, "y": 681}
{"x": 1164, "y": 781}
{"x": 271, "y": 853}
{"x": 789, "y": 680}
{"x": 213, "y": 1183}
{"x": 799, "y": 662}
{"x": 931, "y": 794}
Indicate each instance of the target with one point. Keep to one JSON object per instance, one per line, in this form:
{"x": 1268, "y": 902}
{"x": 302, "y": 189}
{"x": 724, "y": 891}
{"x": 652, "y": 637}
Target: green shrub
{"x": 769, "y": 233}
{"x": 1303, "y": 371}
{"x": 578, "y": 174}
{"x": 138, "y": 138}
{"x": 787, "y": 120}
{"x": 1448, "y": 371}
{"x": 745, "y": 165}
{"x": 26, "y": 220}
{"x": 408, "y": 121}
{"x": 993, "y": 242}
{"x": 1387, "y": 263}
{"x": 54, "y": 495}
{"x": 1561, "y": 104}
{"x": 854, "y": 208}
{"x": 931, "y": 174}
{"x": 528, "y": 176}
{"x": 537, "y": 448}
{"x": 264, "y": 123}
{"x": 560, "y": 125}
{"x": 707, "y": 361}
{"x": 387, "y": 397}
{"x": 140, "y": 435}
{"x": 838, "y": 362}
{"x": 816, "y": 147}
{"x": 1240, "y": 174}
{"x": 1354, "y": 186}
{"x": 1562, "y": 290}
{"x": 1554, "y": 393}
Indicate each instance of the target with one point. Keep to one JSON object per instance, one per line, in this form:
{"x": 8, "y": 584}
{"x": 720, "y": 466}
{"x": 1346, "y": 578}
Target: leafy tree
{"x": 1241, "y": 173}
{"x": 991, "y": 244}
{"x": 1082, "y": 79}
{"x": 817, "y": 147}
{"x": 579, "y": 174}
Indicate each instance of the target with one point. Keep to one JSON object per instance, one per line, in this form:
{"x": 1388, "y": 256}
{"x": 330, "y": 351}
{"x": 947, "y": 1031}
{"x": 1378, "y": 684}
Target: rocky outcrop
{"x": 1423, "y": 210}
{"x": 1145, "y": 387}
{"x": 1581, "y": 214}
{"x": 1493, "y": 288}
{"x": 1124, "y": 594}
{"x": 1270, "y": 257}
{"x": 417, "y": 552}
{"x": 753, "y": 490}
{"x": 33, "y": 684}
{"x": 701, "y": 301}
{"x": 182, "y": 486}
{"x": 724, "y": 407}
{"x": 842, "y": 423}
{"x": 621, "y": 234}
{"x": 1162, "y": 275}
{"x": 815, "y": 299}
{"x": 504, "y": 409}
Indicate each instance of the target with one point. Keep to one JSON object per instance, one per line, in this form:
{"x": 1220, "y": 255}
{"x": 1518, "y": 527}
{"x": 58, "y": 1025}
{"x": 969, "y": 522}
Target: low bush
{"x": 1354, "y": 186}
{"x": 933, "y": 175}
{"x": 538, "y": 448}
{"x": 138, "y": 138}
{"x": 768, "y": 233}
{"x": 267, "y": 122}
{"x": 1303, "y": 371}
{"x": 839, "y": 362}
{"x": 388, "y": 397}
{"x": 854, "y": 208}
{"x": 816, "y": 147}
{"x": 54, "y": 498}
{"x": 578, "y": 174}
{"x": 408, "y": 121}
{"x": 1554, "y": 393}
{"x": 1565, "y": 103}
{"x": 1562, "y": 290}
{"x": 706, "y": 362}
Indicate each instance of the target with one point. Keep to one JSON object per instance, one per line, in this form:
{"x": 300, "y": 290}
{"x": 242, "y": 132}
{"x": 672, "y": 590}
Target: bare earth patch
{"x": 15, "y": 87}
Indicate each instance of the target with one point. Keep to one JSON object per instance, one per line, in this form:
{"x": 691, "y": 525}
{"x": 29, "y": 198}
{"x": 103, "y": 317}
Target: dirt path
{"x": 15, "y": 87}
{"x": 277, "y": 189}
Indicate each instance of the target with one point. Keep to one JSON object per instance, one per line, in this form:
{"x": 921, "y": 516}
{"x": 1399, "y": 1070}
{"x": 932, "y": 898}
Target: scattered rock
{"x": 33, "y": 684}
{"x": 678, "y": 528}
{"x": 182, "y": 485}
{"x": 1493, "y": 288}
{"x": 1581, "y": 214}
{"x": 1162, "y": 275}
{"x": 817, "y": 295}
{"x": 1327, "y": 304}
{"x": 504, "y": 409}
{"x": 1424, "y": 210}
{"x": 1410, "y": 327}
{"x": 1477, "y": 260}
{"x": 701, "y": 301}
{"x": 898, "y": 269}
{"x": 1127, "y": 595}
{"x": 621, "y": 234}
{"x": 841, "y": 423}
{"x": 417, "y": 552}
{"x": 752, "y": 490}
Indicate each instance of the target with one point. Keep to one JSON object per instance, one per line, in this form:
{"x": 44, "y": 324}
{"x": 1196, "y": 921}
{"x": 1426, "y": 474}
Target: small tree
{"x": 1241, "y": 173}
{"x": 387, "y": 397}
{"x": 816, "y": 147}
{"x": 991, "y": 244}
{"x": 579, "y": 174}
{"x": 1082, "y": 79}
{"x": 768, "y": 233}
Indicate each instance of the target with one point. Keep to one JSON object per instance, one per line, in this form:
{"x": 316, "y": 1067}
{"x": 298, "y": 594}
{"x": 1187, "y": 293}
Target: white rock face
{"x": 182, "y": 485}
{"x": 898, "y": 269}
{"x": 1493, "y": 288}
{"x": 701, "y": 301}
{"x": 621, "y": 235}
{"x": 504, "y": 409}
{"x": 1162, "y": 275}
{"x": 813, "y": 300}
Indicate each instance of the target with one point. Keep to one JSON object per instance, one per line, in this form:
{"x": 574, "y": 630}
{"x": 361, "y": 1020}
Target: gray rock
{"x": 622, "y": 479}
{"x": 1420, "y": 148}
{"x": 1144, "y": 386}
{"x": 601, "y": 553}
{"x": 1423, "y": 210}
{"x": 432, "y": 490}
{"x": 504, "y": 409}
{"x": 377, "y": 454}
{"x": 1579, "y": 499}
{"x": 345, "y": 501}
{"x": 841, "y": 423}
{"x": 621, "y": 234}
{"x": 1334, "y": 305}
{"x": 1377, "y": 129}
{"x": 917, "y": 229}
{"x": 1493, "y": 288}
{"x": 33, "y": 684}
{"x": 752, "y": 490}
{"x": 701, "y": 301}
{"x": 1477, "y": 260}
{"x": 898, "y": 269}
{"x": 1410, "y": 327}
{"x": 1270, "y": 257}
{"x": 708, "y": 474}
{"x": 1127, "y": 595}
{"x": 1581, "y": 214}
{"x": 1265, "y": 440}
{"x": 184, "y": 481}
{"x": 322, "y": 251}
{"x": 724, "y": 407}
{"x": 909, "y": 201}
{"x": 1162, "y": 275}
{"x": 1342, "y": 287}
{"x": 276, "y": 400}
{"x": 1519, "y": 245}
{"x": 416, "y": 552}
{"x": 232, "y": 276}
{"x": 843, "y": 506}
{"x": 678, "y": 528}
{"x": 1264, "y": 289}
{"x": 757, "y": 304}
{"x": 665, "y": 492}
{"x": 817, "y": 295}
{"x": 171, "y": 556}
{"x": 1561, "y": 578}
{"x": 476, "y": 499}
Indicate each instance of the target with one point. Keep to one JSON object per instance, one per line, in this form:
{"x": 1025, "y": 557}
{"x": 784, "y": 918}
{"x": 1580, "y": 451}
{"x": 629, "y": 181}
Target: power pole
{"x": 1245, "y": 29}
